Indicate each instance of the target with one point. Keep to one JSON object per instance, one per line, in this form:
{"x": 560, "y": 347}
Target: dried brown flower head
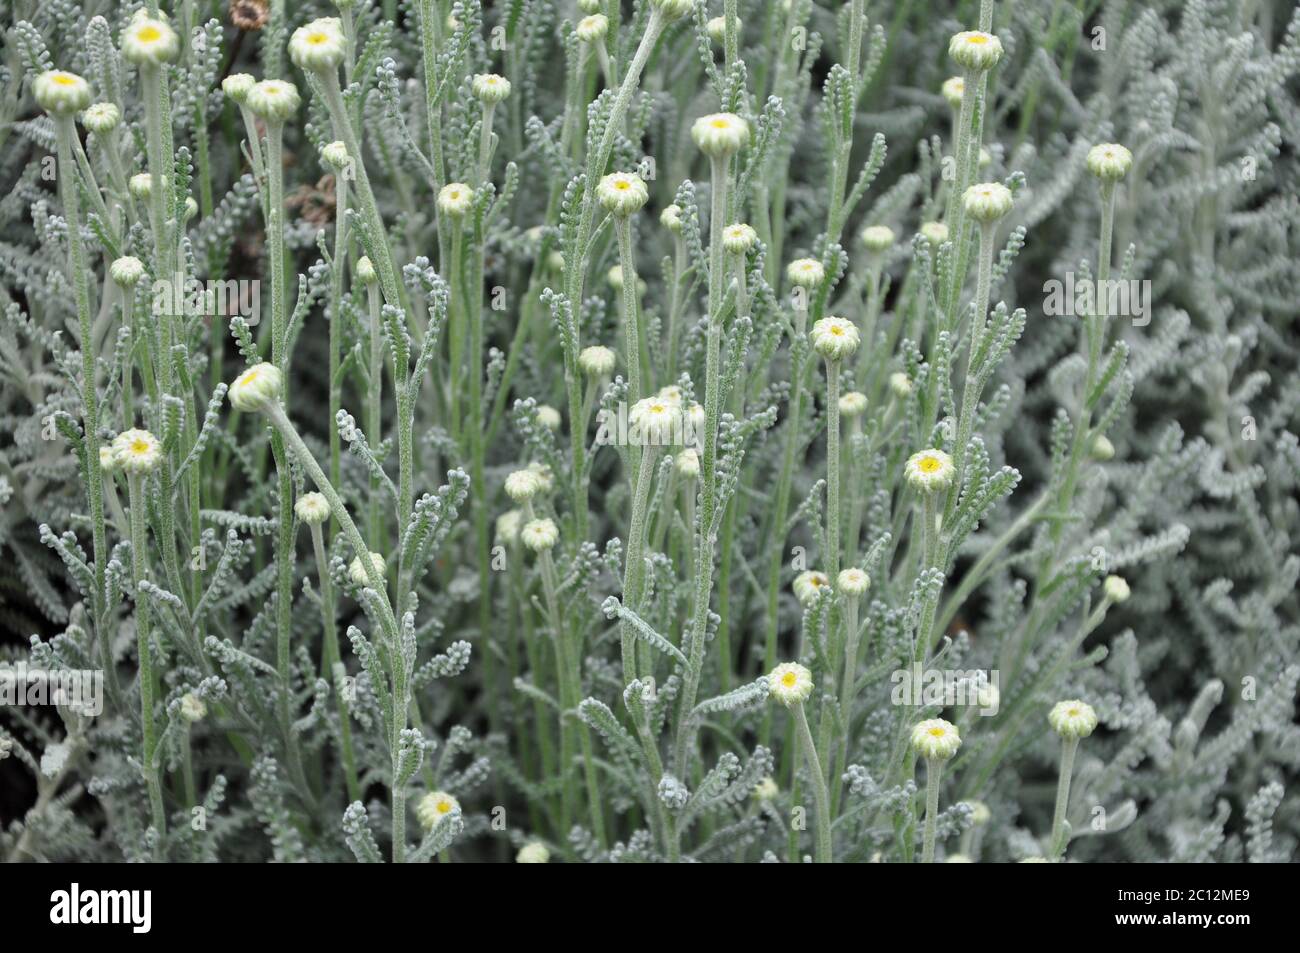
{"x": 249, "y": 14}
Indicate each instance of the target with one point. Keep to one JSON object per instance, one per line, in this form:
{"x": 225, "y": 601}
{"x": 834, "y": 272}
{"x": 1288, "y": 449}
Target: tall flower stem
{"x": 833, "y": 535}
{"x": 821, "y": 800}
{"x": 634, "y": 567}
{"x": 388, "y": 622}
{"x": 374, "y": 409}
{"x": 284, "y": 544}
{"x": 80, "y": 274}
{"x": 139, "y": 573}
{"x": 933, "y": 774}
{"x": 484, "y": 145}
{"x": 570, "y": 673}
{"x": 706, "y": 532}
{"x": 631, "y": 331}
{"x": 328, "y": 84}
{"x": 971, "y": 390}
{"x": 337, "y": 275}
{"x": 784, "y": 484}
{"x": 575, "y": 271}
{"x": 1068, "y": 747}
{"x": 330, "y": 658}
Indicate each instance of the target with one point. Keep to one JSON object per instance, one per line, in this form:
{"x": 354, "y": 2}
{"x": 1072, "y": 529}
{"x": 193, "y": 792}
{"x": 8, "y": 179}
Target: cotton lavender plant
{"x": 676, "y": 430}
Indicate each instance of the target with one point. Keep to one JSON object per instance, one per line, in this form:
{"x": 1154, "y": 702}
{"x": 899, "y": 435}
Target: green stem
{"x": 933, "y": 772}
{"x": 330, "y": 658}
{"x": 139, "y": 574}
{"x": 1068, "y": 747}
{"x": 821, "y": 799}
{"x": 80, "y": 275}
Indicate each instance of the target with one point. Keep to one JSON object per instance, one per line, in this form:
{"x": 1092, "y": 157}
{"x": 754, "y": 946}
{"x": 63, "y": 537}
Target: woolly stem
{"x": 139, "y": 573}
{"x": 80, "y": 274}
{"x": 330, "y": 658}
{"x": 821, "y": 799}
{"x": 1068, "y": 747}
{"x": 933, "y": 772}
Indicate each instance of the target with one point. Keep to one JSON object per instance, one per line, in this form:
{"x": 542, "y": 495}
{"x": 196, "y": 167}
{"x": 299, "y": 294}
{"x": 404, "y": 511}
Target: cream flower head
{"x": 140, "y": 185}
{"x": 548, "y": 417}
{"x": 597, "y": 361}
{"x": 507, "y": 526}
{"x": 1072, "y": 719}
{"x": 766, "y": 790}
{"x": 936, "y": 739}
{"x": 900, "y": 385}
{"x": 319, "y": 46}
{"x": 671, "y": 219}
{"x": 987, "y": 201}
{"x": 365, "y": 271}
{"x": 101, "y": 118}
{"x": 672, "y": 9}
{"x": 975, "y": 50}
{"x": 490, "y": 88}
{"x": 335, "y": 155}
{"x": 151, "y": 42}
{"x": 357, "y": 570}
{"x": 809, "y": 585}
{"x": 126, "y": 271}
{"x": 979, "y": 813}
{"x": 739, "y": 238}
{"x": 671, "y": 393}
{"x": 539, "y": 535}
{"x": 592, "y": 28}
{"x": 688, "y": 464}
{"x": 455, "y": 199}
{"x": 107, "y": 462}
{"x": 929, "y": 471}
{"x": 237, "y": 86}
{"x": 434, "y": 808}
{"x": 790, "y": 683}
{"x": 1109, "y": 161}
{"x": 622, "y": 193}
{"x": 544, "y": 474}
{"x": 658, "y": 422}
{"x": 717, "y": 29}
{"x": 720, "y": 135}
{"x": 835, "y": 338}
{"x": 936, "y": 233}
{"x": 852, "y": 581}
{"x": 136, "y": 452}
{"x": 953, "y": 88}
{"x": 256, "y": 388}
{"x": 61, "y": 93}
{"x": 523, "y": 485}
{"x": 534, "y": 852}
{"x": 273, "y": 99}
{"x": 312, "y": 508}
{"x": 1102, "y": 449}
{"x": 1116, "y": 588}
{"x": 853, "y": 404}
{"x": 877, "y": 238}
{"x": 192, "y": 707}
{"x": 805, "y": 272}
